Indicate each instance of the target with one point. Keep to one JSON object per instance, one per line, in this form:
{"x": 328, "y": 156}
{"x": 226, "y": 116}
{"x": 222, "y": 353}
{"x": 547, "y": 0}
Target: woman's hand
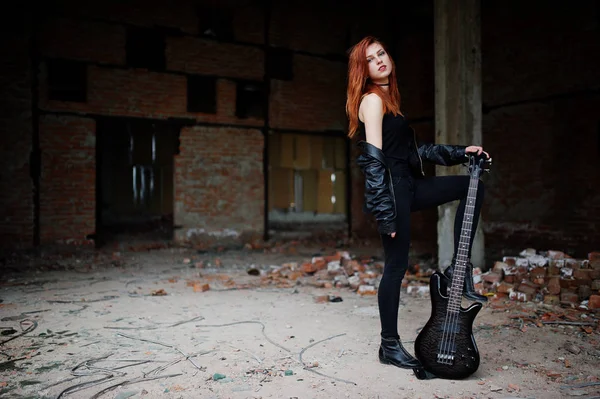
{"x": 476, "y": 149}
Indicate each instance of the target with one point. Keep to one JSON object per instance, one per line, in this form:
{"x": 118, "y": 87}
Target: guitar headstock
{"x": 478, "y": 164}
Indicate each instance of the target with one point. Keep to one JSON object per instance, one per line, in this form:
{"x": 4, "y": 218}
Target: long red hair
{"x": 360, "y": 84}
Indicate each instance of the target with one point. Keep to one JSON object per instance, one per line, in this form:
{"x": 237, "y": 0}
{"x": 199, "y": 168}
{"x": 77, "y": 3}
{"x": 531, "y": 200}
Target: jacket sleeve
{"x": 443, "y": 154}
{"x": 378, "y": 196}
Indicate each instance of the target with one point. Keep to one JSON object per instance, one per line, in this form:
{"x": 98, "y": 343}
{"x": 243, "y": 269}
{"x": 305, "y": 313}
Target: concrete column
{"x": 457, "y": 36}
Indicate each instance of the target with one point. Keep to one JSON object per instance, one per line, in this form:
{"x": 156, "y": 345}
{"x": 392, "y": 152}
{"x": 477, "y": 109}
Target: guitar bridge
{"x": 445, "y": 358}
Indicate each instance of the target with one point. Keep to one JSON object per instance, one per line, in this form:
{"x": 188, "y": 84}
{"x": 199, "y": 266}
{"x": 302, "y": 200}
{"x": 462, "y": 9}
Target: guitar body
{"x": 446, "y": 346}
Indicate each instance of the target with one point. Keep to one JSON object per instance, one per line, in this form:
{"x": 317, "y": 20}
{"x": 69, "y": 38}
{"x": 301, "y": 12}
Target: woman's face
{"x": 379, "y": 63}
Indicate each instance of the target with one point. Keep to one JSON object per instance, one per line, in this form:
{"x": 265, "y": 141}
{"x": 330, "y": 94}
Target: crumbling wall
{"x": 541, "y": 98}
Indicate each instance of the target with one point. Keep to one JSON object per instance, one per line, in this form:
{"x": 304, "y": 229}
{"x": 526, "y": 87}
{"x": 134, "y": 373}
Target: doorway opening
{"x": 308, "y": 184}
{"x": 134, "y": 177}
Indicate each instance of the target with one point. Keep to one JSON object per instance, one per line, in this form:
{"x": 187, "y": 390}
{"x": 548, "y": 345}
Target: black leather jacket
{"x": 379, "y": 193}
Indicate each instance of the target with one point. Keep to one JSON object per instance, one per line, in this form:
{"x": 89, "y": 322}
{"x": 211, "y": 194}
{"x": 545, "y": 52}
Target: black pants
{"x": 415, "y": 195}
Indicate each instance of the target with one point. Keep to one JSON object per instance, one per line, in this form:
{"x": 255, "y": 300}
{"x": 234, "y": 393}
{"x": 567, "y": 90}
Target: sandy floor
{"x": 102, "y": 323}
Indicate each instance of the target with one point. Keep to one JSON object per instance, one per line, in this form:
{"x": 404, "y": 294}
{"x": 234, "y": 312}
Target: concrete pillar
{"x": 457, "y": 36}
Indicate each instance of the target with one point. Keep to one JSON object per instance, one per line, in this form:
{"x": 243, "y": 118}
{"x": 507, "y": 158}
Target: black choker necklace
{"x": 383, "y": 84}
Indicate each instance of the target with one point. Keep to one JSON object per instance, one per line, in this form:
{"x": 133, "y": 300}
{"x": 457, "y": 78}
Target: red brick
{"x": 553, "y": 270}
{"x": 537, "y": 275}
{"x": 68, "y": 179}
{"x": 528, "y": 288}
{"x": 504, "y": 288}
{"x": 219, "y": 184}
{"x": 569, "y": 297}
{"x": 208, "y": 57}
{"x": 510, "y": 260}
{"x": 554, "y": 285}
{"x": 491, "y": 277}
{"x": 582, "y": 274}
{"x": 320, "y": 112}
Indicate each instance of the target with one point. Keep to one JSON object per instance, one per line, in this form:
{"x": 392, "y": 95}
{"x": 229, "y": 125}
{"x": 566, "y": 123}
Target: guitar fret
{"x": 456, "y": 287}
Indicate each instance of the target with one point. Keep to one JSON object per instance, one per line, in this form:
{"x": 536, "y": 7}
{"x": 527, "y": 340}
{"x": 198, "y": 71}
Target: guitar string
{"x": 471, "y": 197}
{"x": 456, "y": 289}
{"x": 446, "y": 342}
{"x": 444, "y": 347}
{"x": 448, "y": 334}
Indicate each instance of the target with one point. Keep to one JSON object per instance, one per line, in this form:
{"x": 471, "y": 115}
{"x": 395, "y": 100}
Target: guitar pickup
{"x": 445, "y": 358}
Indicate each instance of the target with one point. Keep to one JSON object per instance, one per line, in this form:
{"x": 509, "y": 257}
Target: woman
{"x": 395, "y": 185}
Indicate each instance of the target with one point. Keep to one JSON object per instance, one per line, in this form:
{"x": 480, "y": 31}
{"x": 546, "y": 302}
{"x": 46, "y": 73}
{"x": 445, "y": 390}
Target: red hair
{"x": 359, "y": 84}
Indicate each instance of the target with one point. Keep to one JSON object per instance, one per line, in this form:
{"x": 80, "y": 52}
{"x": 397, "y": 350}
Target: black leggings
{"x": 415, "y": 195}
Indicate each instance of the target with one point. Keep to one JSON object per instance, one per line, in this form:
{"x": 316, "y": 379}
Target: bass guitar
{"x": 446, "y": 346}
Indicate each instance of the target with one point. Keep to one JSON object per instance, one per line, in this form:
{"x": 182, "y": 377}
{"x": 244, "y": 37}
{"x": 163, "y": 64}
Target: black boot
{"x": 468, "y": 287}
{"x": 391, "y": 351}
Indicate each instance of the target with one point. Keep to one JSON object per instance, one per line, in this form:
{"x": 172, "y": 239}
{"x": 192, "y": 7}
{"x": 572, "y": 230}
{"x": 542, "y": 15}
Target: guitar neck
{"x": 462, "y": 255}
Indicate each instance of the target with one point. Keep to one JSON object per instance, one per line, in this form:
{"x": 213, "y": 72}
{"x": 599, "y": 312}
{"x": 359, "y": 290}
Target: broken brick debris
{"x": 551, "y": 277}
{"x": 360, "y": 274}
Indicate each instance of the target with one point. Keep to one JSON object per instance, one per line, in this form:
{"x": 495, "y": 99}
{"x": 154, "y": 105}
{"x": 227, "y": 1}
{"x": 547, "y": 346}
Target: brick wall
{"x": 207, "y": 57}
{"x": 16, "y": 186}
{"x": 219, "y": 184}
{"x": 541, "y": 98}
{"x": 68, "y": 179}
{"x": 314, "y": 100}
{"x": 540, "y": 83}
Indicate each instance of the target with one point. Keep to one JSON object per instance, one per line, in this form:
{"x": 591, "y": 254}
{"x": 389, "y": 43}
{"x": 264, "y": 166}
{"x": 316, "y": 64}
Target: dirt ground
{"x": 139, "y": 324}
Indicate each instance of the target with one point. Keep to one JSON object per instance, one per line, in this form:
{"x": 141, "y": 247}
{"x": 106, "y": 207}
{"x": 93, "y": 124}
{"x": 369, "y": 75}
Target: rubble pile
{"x": 338, "y": 270}
{"x": 551, "y": 277}
{"x": 359, "y": 274}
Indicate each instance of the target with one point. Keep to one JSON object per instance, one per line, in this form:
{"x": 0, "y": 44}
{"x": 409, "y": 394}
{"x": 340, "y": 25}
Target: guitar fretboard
{"x": 462, "y": 255}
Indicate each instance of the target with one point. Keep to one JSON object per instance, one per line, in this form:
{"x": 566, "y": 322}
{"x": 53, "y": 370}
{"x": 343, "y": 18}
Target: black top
{"x": 397, "y": 137}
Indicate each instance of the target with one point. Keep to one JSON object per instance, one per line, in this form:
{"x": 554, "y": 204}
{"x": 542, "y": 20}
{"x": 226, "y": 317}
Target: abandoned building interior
{"x": 183, "y": 167}
{"x": 214, "y": 122}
